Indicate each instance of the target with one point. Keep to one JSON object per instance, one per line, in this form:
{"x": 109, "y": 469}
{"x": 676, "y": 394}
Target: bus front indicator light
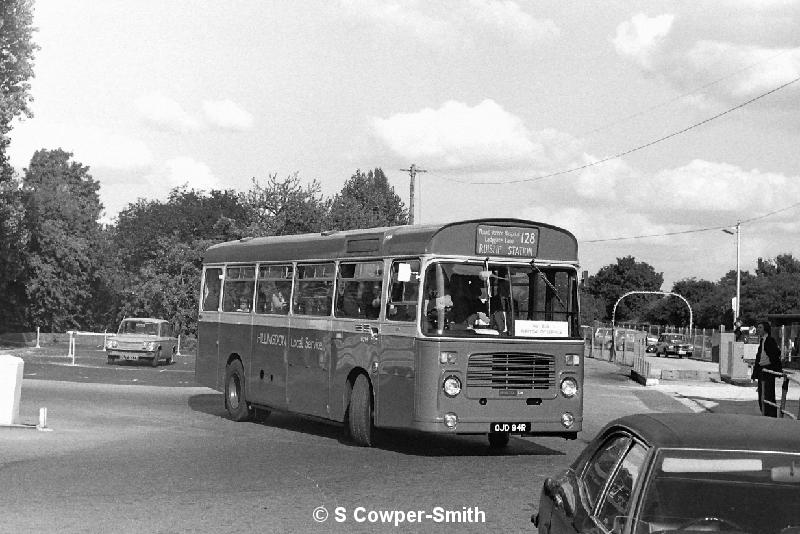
{"x": 573, "y": 359}
{"x": 447, "y": 357}
{"x": 569, "y": 387}
{"x": 450, "y": 420}
{"x": 451, "y": 386}
{"x": 567, "y": 419}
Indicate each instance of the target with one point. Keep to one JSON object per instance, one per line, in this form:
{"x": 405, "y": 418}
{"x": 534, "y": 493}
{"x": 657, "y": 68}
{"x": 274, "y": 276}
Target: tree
{"x": 13, "y": 244}
{"x": 160, "y": 246}
{"x": 186, "y": 217}
{"x": 284, "y": 207}
{"x": 366, "y": 201}
{"x": 16, "y": 69}
{"x": 62, "y": 207}
{"x": 706, "y": 299}
{"x": 613, "y": 281}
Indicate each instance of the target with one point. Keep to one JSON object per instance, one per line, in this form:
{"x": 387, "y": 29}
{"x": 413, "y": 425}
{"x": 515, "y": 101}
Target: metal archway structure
{"x": 666, "y": 293}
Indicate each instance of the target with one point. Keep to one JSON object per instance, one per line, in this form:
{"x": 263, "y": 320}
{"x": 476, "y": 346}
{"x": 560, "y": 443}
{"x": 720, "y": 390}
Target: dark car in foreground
{"x": 679, "y": 474}
{"x": 143, "y": 339}
{"x": 673, "y": 345}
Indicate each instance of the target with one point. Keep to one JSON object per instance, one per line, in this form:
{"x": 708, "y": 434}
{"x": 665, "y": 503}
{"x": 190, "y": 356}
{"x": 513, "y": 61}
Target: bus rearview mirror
{"x": 404, "y": 272}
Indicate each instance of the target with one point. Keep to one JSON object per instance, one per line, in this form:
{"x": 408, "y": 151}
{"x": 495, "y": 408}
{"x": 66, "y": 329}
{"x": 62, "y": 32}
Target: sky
{"x": 614, "y": 120}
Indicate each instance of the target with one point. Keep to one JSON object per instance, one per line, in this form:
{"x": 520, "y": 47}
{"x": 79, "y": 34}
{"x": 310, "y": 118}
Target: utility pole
{"x": 412, "y": 171}
{"x": 738, "y": 268}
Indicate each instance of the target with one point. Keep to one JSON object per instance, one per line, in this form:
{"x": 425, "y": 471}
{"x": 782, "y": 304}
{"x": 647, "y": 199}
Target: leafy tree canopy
{"x": 613, "y": 281}
{"x": 366, "y": 201}
{"x": 16, "y": 69}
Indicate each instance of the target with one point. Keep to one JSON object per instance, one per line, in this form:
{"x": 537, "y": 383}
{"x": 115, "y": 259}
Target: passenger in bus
{"x": 278, "y": 302}
{"x": 370, "y": 299}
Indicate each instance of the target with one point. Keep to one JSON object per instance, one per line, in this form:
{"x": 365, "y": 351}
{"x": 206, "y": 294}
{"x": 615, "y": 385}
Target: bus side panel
{"x": 353, "y": 345}
{"x": 308, "y": 371}
{"x": 394, "y": 391}
{"x": 234, "y": 335}
{"x": 207, "y": 368}
{"x": 267, "y": 384}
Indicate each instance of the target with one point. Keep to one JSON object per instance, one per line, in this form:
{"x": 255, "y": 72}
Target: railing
{"x": 784, "y": 392}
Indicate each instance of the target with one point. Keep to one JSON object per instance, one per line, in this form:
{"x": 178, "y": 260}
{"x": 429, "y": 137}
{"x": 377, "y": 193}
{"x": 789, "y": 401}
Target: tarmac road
{"x": 159, "y": 455}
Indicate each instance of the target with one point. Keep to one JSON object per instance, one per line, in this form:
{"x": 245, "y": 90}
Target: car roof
{"x": 144, "y": 320}
{"x": 712, "y": 431}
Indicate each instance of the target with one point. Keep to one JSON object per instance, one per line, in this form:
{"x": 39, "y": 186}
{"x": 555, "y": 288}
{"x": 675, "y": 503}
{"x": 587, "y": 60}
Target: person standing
{"x": 767, "y": 357}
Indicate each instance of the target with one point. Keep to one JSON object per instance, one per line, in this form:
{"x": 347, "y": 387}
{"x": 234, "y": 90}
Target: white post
{"x": 72, "y": 346}
{"x": 37, "y": 338}
{"x": 178, "y": 351}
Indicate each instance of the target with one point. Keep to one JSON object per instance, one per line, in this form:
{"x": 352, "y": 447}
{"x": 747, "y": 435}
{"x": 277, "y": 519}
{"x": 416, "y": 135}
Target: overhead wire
{"x": 639, "y": 147}
{"x": 694, "y": 230}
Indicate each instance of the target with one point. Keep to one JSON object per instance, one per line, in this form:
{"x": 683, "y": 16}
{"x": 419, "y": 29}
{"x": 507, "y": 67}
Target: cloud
{"x": 227, "y": 115}
{"x": 180, "y": 171}
{"x": 640, "y": 37}
{"x": 166, "y": 114}
{"x": 452, "y": 23}
{"x": 459, "y": 136}
{"x": 736, "y": 52}
{"x": 90, "y": 145}
{"x": 720, "y": 187}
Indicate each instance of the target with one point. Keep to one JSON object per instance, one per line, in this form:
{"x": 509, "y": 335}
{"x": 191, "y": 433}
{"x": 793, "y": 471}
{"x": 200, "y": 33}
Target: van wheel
{"x": 498, "y": 440}
{"x": 359, "y": 421}
{"x": 156, "y": 357}
{"x": 235, "y": 400}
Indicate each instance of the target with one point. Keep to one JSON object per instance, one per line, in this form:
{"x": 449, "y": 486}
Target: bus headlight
{"x": 149, "y": 346}
{"x": 111, "y": 344}
{"x": 572, "y": 359}
{"x": 567, "y": 419}
{"x": 450, "y": 420}
{"x": 569, "y": 387}
{"x": 451, "y": 386}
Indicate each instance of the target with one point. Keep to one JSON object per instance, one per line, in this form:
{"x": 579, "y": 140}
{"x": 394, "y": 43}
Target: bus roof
{"x": 455, "y": 238}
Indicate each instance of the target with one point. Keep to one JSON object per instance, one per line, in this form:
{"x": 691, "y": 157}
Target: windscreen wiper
{"x": 549, "y": 284}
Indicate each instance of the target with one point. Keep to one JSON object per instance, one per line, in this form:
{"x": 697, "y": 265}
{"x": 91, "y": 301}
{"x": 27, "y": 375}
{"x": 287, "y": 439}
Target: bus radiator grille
{"x": 518, "y": 371}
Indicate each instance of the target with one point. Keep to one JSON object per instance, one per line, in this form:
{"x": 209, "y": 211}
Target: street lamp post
{"x": 738, "y": 269}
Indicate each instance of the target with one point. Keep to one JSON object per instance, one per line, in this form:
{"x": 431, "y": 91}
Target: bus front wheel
{"x": 235, "y": 401}
{"x": 359, "y": 419}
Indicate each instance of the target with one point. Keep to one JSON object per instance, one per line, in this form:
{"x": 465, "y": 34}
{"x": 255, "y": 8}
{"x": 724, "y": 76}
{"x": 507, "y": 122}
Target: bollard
{"x": 10, "y": 388}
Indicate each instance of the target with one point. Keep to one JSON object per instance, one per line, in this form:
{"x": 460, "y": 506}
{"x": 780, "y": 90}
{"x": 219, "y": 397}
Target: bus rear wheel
{"x": 498, "y": 440}
{"x": 235, "y": 400}
{"x": 359, "y": 420}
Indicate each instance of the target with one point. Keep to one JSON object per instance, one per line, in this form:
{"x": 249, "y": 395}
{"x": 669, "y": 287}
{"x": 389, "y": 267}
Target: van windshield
{"x": 487, "y": 299}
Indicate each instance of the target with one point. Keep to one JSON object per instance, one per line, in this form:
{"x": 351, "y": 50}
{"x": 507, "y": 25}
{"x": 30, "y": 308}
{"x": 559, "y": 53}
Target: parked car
{"x": 673, "y": 344}
{"x": 143, "y": 339}
{"x": 680, "y": 473}
{"x": 650, "y": 341}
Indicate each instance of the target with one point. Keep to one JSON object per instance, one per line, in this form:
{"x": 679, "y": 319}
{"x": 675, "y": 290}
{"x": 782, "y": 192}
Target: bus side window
{"x": 211, "y": 289}
{"x": 314, "y": 290}
{"x": 404, "y": 291}
{"x": 359, "y": 286}
{"x": 237, "y": 291}
{"x": 274, "y": 289}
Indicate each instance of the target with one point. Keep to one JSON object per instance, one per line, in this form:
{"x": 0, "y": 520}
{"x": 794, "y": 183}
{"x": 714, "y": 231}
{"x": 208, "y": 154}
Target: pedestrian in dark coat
{"x": 767, "y": 357}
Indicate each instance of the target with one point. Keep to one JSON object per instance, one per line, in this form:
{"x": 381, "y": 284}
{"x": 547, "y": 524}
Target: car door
{"x": 613, "y": 510}
{"x": 568, "y": 502}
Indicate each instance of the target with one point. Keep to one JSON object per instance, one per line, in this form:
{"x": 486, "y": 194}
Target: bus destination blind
{"x": 506, "y": 241}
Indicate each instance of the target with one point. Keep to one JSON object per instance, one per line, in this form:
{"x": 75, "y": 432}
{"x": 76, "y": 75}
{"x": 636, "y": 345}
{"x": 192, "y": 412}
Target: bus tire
{"x": 498, "y": 440}
{"x": 235, "y": 400}
{"x": 156, "y": 357}
{"x": 359, "y": 420}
